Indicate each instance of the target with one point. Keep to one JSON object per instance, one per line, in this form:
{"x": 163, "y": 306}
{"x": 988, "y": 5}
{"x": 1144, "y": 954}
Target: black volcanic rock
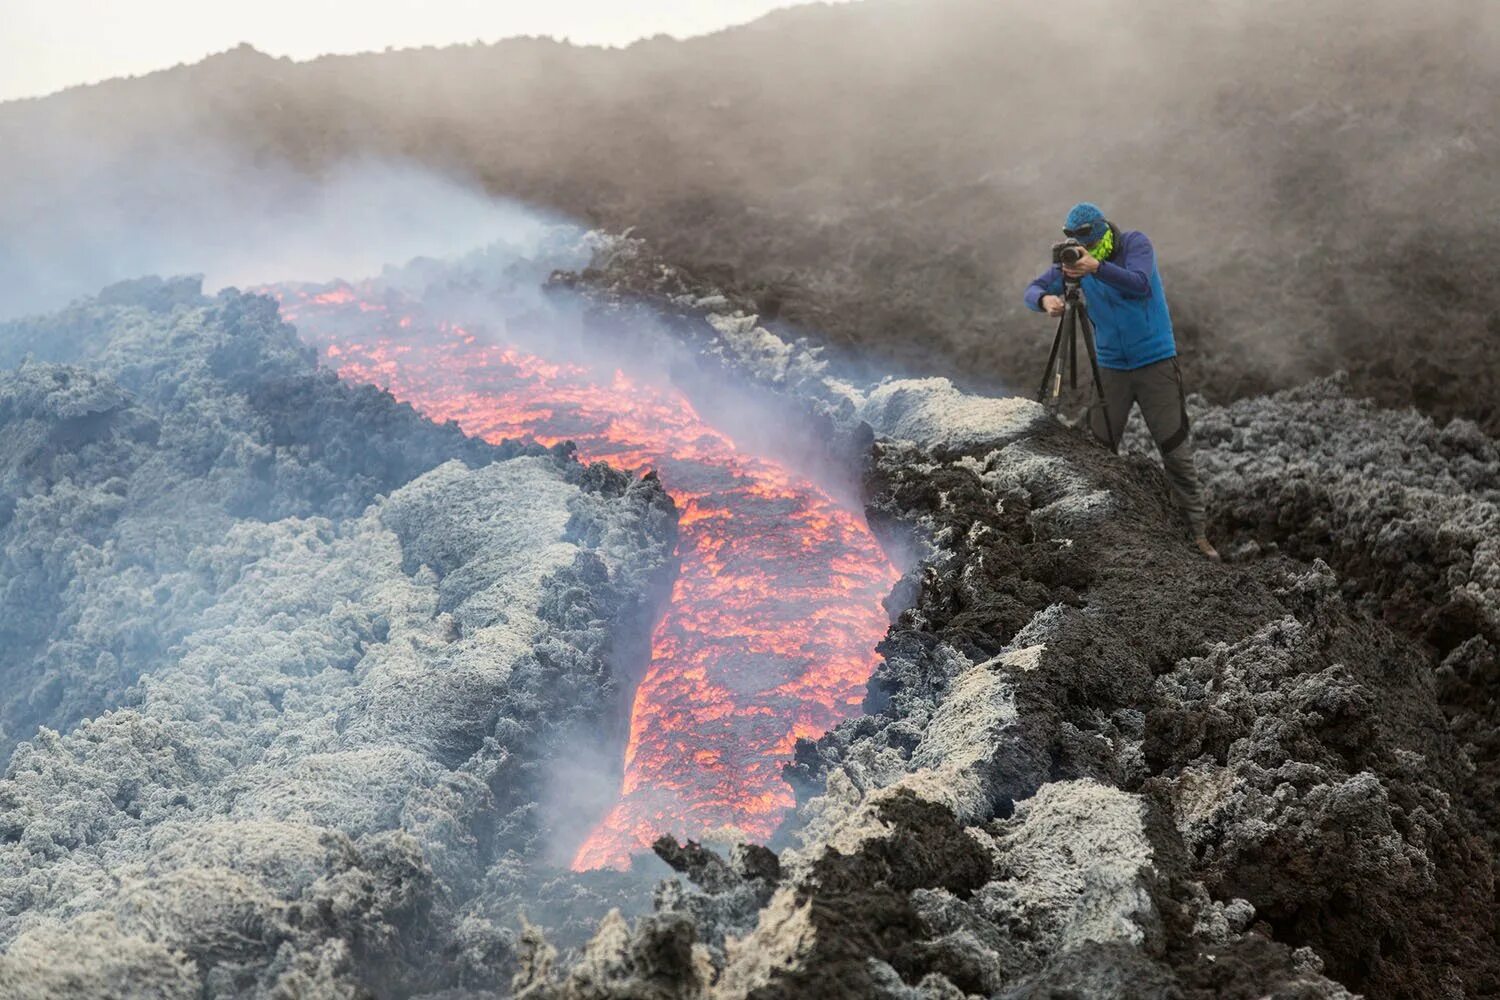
{"x": 1268, "y": 777}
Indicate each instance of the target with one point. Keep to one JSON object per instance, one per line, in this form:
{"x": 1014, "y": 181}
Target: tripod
{"x": 1075, "y": 319}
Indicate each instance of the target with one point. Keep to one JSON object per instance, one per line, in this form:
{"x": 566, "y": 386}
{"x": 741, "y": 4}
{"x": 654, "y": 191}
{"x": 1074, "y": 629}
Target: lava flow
{"x": 771, "y": 629}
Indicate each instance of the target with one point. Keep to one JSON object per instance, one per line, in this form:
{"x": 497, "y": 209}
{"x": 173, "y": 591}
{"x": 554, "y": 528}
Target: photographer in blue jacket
{"x": 1137, "y": 352}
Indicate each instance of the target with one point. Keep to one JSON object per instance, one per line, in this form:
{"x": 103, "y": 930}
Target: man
{"x": 1137, "y": 353}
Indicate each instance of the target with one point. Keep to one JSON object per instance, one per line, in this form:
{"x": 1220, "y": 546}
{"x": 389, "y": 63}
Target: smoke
{"x": 890, "y": 173}
{"x": 578, "y": 787}
{"x": 199, "y": 205}
{"x": 443, "y": 334}
{"x": 348, "y": 222}
{"x": 239, "y": 222}
{"x": 501, "y": 294}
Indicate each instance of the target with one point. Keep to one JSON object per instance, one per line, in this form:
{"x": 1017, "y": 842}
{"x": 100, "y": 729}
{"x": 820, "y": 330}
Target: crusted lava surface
{"x": 1089, "y": 762}
{"x": 1094, "y": 764}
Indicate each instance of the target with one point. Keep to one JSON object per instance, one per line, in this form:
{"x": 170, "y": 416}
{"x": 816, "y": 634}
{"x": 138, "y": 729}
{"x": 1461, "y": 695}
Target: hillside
{"x": 890, "y": 173}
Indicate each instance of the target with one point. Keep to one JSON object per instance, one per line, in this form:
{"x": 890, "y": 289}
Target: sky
{"x": 46, "y": 45}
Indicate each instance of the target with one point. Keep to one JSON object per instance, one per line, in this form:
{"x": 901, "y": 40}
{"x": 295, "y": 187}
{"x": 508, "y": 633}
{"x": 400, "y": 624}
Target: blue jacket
{"x": 1131, "y": 323}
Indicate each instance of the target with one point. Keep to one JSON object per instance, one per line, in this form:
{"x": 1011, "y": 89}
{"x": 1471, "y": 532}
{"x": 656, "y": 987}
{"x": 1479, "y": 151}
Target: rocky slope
{"x": 888, "y": 173}
{"x": 1094, "y": 764}
{"x": 1091, "y": 763}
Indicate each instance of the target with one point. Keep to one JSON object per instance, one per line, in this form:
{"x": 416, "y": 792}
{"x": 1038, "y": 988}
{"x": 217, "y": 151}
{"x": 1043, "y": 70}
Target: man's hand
{"x": 1053, "y": 305}
{"x": 1084, "y": 265}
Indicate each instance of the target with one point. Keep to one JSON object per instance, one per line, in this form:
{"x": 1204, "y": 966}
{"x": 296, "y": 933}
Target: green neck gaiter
{"x": 1100, "y": 251}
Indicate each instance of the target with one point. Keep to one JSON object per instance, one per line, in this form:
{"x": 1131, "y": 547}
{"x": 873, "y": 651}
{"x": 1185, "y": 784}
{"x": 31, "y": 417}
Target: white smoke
{"x": 239, "y": 223}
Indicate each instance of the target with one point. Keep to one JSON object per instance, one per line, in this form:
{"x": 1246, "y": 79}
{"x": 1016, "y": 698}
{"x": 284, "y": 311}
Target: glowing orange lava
{"x": 771, "y": 629}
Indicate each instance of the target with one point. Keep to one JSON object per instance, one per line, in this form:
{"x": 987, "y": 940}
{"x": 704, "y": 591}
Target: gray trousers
{"x": 1158, "y": 389}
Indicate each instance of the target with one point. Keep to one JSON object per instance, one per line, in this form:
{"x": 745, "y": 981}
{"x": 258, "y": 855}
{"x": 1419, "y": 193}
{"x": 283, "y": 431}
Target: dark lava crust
{"x": 1096, "y": 765}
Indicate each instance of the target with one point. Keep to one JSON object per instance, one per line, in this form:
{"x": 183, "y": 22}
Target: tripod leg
{"x": 1051, "y": 385}
{"x": 1073, "y": 349}
{"x": 1088, "y": 343}
{"x": 1068, "y": 332}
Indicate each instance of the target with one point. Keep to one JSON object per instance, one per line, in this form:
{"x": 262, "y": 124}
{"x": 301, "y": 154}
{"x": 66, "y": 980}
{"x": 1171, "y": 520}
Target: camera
{"x": 1067, "y": 252}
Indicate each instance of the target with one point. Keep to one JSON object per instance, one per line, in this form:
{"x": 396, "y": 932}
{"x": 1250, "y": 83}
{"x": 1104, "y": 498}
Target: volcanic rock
{"x": 1091, "y": 762}
{"x": 1183, "y": 779}
{"x": 367, "y": 659}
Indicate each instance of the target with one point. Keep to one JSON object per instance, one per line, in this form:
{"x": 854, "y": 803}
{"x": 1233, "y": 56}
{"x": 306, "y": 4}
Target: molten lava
{"x": 770, "y": 632}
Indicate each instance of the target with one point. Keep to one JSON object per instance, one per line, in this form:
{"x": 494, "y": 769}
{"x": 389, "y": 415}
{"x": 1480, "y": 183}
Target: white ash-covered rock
{"x": 348, "y": 728}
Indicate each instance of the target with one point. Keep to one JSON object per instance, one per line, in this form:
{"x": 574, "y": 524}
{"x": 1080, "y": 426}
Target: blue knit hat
{"x": 1087, "y": 214}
